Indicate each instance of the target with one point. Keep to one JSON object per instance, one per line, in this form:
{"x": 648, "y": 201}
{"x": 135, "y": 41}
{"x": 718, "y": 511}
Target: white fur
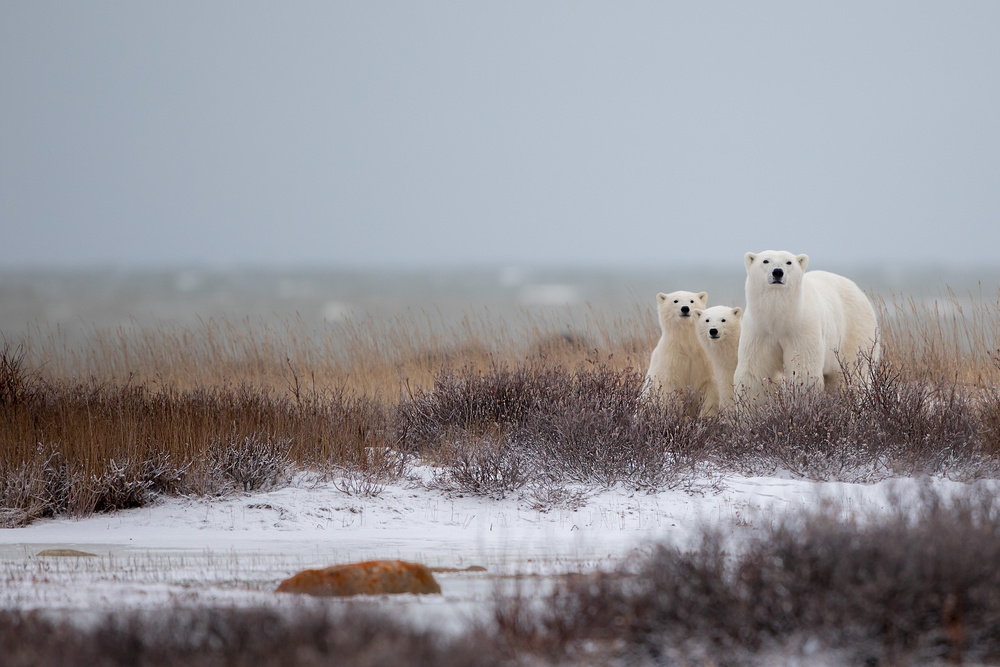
{"x": 718, "y": 331}
{"x": 678, "y": 362}
{"x": 802, "y": 328}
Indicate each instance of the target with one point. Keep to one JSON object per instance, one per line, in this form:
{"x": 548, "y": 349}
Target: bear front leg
{"x": 724, "y": 387}
{"x": 758, "y": 370}
{"x": 804, "y": 365}
{"x": 710, "y": 399}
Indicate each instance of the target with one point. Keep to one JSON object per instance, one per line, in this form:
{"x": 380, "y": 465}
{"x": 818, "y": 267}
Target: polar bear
{"x": 678, "y": 363}
{"x": 718, "y": 331}
{"x": 801, "y": 326}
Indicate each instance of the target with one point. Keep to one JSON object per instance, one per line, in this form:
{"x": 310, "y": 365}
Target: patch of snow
{"x": 236, "y": 549}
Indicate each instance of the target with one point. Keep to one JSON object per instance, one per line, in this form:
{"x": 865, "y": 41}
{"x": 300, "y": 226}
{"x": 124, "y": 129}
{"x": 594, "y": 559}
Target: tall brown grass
{"x": 374, "y": 357}
{"x": 954, "y": 338}
{"x": 135, "y": 412}
{"x": 80, "y": 446}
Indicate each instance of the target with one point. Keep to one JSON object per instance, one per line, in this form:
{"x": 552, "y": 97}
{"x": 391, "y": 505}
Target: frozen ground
{"x": 235, "y": 550}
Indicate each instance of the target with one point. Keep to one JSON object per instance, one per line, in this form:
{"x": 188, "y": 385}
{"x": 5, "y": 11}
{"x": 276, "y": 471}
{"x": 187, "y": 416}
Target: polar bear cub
{"x": 718, "y": 331}
{"x": 801, "y": 326}
{"x": 678, "y": 362}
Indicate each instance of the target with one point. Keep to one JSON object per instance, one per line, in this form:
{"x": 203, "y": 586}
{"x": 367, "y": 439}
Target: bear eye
{"x": 723, "y": 319}
{"x": 692, "y": 300}
{"x": 676, "y": 301}
{"x": 788, "y": 263}
{"x": 766, "y": 261}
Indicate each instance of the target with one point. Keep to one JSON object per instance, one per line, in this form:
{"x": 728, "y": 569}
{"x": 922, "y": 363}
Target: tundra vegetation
{"x": 133, "y": 414}
{"x": 539, "y": 412}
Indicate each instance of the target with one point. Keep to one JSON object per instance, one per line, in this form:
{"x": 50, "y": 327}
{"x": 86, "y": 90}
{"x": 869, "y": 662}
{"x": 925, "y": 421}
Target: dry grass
{"x": 952, "y": 339}
{"x": 84, "y": 446}
{"x": 364, "y": 356}
{"x": 137, "y": 412}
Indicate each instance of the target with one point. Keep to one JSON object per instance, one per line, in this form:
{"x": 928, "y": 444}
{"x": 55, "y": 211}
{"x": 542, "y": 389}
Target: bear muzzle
{"x": 713, "y": 333}
{"x": 777, "y": 277}
{"x": 685, "y": 311}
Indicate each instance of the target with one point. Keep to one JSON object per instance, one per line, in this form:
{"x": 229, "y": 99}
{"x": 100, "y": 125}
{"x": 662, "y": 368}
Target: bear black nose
{"x": 713, "y": 332}
{"x": 685, "y": 310}
{"x": 777, "y": 273}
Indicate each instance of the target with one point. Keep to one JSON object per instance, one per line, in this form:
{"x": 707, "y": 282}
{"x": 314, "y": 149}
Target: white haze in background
{"x": 554, "y": 133}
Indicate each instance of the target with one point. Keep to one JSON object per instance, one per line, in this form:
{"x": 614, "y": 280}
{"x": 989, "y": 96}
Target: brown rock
{"x": 374, "y": 577}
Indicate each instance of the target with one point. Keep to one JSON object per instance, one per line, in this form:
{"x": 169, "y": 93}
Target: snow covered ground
{"x": 234, "y": 550}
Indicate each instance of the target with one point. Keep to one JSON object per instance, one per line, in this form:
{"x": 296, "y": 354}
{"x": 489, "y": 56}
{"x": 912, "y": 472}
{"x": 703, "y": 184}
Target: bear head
{"x": 677, "y": 308}
{"x": 718, "y": 324}
{"x": 774, "y": 269}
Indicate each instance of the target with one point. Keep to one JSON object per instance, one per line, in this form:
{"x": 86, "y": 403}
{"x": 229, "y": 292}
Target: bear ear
{"x": 698, "y": 312}
{"x": 661, "y": 296}
{"x": 803, "y": 261}
{"x": 749, "y": 258}
{"x": 737, "y": 312}
{"x": 703, "y": 297}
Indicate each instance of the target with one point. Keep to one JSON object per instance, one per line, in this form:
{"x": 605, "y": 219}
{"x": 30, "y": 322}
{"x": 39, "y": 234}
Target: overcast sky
{"x": 427, "y": 133}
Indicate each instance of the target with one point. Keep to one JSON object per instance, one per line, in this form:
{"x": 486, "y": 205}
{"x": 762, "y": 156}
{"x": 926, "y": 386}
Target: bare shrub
{"x": 360, "y": 482}
{"x": 873, "y": 427}
{"x": 546, "y": 496}
{"x": 120, "y": 487}
{"x": 370, "y": 479}
{"x": 917, "y": 585}
{"x": 923, "y": 427}
{"x": 604, "y": 434}
{"x": 475, "y": 403}
{"x": 588, "y": 436}
{"x": 491, "y": 467}
{"x": 250, "y": 462}
{"x": 47, "y": 485}
{"x": 229, "y": 636}
{"x": 495, "y": 432}
{"x": 43, "y": 485}
{"x": 164, "y": 475}
{"x": 989, "y": 424}
{"x": 808, "y": 433}
{"x": 22, "y": 495}
{"x": 919, "y": 582}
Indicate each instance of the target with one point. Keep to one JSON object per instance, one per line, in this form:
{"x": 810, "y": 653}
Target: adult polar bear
{"x": 801, "y": 326}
